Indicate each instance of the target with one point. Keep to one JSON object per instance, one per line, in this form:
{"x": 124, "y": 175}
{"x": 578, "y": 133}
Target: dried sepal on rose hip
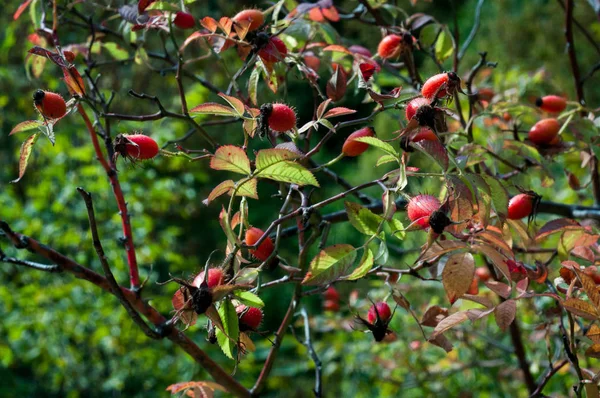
{"x": 250, "y": 318}
{"x": 135, "y": 146}
{"x": 378, "y": 319}
{"x": 51, "y": 105}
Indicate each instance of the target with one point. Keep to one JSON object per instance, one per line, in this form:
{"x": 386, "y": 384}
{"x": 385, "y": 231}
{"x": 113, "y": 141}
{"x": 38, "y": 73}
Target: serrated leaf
{"x": 26, "y": 149}
{"x": 212, "y": 108}
{"x": 448, "y": 323}
{"x": 386, "y": 159}
{"x": 558, "y": 225}
{"x": 499, "y": 196}
{"x": 26, "y": 125}
{"x": 331, "y": 263}
{"x": 397, "y": 228}
{"x": 231, "y": 158}
{"x": 201, "y": 385}
{"x": 366, "y": 263}
{"x": 269, "y": 157}
{"x": 505, "y": 313}
{"x": 74, "y": 81}
{"x": 435, "y": 150}
{"x": 250, "y": 299}
{"x": 458, "y": 274}
{"x": 363, "y": 219}
{"x": 580, "y": 308}
{"x": 253, "y": 85}
{"x": 247, "y": 188}
{"x": 235, "y": 103}
{"x": 227, "y": 338}
{"x": 286, "y": 171}
{"x": 339, "y": 111}
{"x": 377, "y": 143}
{"x": 221, "y": 189}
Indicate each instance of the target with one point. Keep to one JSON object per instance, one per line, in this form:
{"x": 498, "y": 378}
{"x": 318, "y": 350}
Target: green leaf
{"x": 327, "y": 124}
{"x": 253, "y": 85}
{"x": 499, "y": 196}
{"x": 269, "y": 157}
{"x": 274, "y": 164}
{"x": 26, "y": 150}
{"x": 397, "y": 228}
{"x": 248, "y": 298}
{"x": 366, "y": 263}
{"x": 163, "y": 6}
{"x": 227, "y": 338}
{"x": 247, "y": 188}
{"x": 331, "y": 263}
{"x": 443, "y": 46}
{"x": 376, "y": 142}
{"x": 386, "y": 159}
{"x": 212, "y": 108}
{"x": 363, "y": 219}
{"x": 115, "y": 51}
{"x": 231, "y": 158}
{"x": 25, "y": 126}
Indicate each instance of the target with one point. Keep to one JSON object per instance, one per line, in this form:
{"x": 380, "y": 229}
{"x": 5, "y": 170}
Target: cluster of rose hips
{"x": 545, "y": 132}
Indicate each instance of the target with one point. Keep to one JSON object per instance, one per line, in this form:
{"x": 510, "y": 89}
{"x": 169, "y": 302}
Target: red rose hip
{"x": 139, "y": 146}
{"x": 331, "y": 294}
{"x": 354, "y": 148}
{"x": 413, "y": 106}
{"x": 250, "y": 317}
{"x": 50, "y": 105}
{"x": 264, "y": 250}
{"x": 255, "y": 17}
{"x": 274, "y": 51}
{"x": 544, "y": 132}
{"x": 184, "y": 20}
{"x": 215, "y": 278}
{"x": 421, "y": 207}
{"x": 381, "y": 309}
{"x": 443, "y": 84}
{"x": 390, "y": 47}
{"x": 520, "y": 206}
{"x": 280, "y": 117}
{"x": 551, "y": 103}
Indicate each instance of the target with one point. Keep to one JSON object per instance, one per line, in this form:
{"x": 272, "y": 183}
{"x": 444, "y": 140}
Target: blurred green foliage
{"x": 63, "y": 337}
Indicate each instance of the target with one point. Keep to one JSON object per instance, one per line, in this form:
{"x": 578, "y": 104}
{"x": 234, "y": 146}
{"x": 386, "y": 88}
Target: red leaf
{"x": 74, "y": 81}
{"x": 339, "y": 111}
{"x": 558, "y": 225}
{"x": 21, "y": 8}
{"x": 25, "y": 126}
{"x": 395, "y": 93}
{"x": 143, "y": 4}
{"x": 336, "y": 86}
{"x": 210, "y": 24}
{"x": 367, "y": 70}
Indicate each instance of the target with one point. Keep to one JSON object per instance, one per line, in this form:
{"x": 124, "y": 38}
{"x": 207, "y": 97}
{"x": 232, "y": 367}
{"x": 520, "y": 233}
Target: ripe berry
{"x": 483, "y": 274}
{"x": 379, "y": 312}
{"x": 355, "y": 148}
{"x": 424, "y": 134}
{"x": 474, "y": 288}
{"x": 551, "y": 103}
{"x": 331, "y": 294}
{"x": 544, "y": 131}
{"x": 274, "y": 51}
{"x": 390, "y": 47}
{"x": 50, "y": 105}
{"x": 250, "y": 317}
{"x": 413, "y": 106}
{"x": 184, "y": 20}
{"x": 443, "y": 84}
{"x": 136, "y": 146}
{"x": 215, "y": 278}
{"x": 330, "y": 305}
{"x": 255, "y": 17}
{"x": 279, "y": 117}
{"x": 420, "y": 208}
{"x": 521, "y": 205}
{"x": 265, "y": 249}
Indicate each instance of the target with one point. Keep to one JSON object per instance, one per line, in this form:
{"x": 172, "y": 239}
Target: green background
{"x": 63, "y": 337}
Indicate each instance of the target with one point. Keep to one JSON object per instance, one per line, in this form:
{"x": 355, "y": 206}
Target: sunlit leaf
{"x": 363, "y": 219}
{"x": 458, "y": 274}
{"x": 26, "y": 149}
{"x": 212, "y": 108}
{"x": 366, "y": 263}
{"x": 331, "y": 263}
{"x": 231, "y": 158}
{"x": 227, "y": 338}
